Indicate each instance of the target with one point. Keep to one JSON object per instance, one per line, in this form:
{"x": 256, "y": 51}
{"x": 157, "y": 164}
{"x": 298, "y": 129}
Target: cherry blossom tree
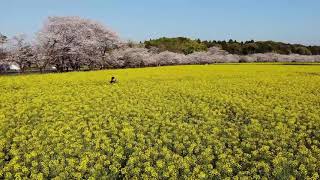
{"x": 41, "y": 57}
{"x": 200, "y": 58}
{"x": 217, "y": 51}
{"x": 72, "y": 42}
{"x": 168, "y": 58}
{"x": 132, "y": 57}
{"x": 20, "y": 52}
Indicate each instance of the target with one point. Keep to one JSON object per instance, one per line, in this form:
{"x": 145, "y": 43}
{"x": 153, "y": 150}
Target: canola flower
{"x": 252, "y": 121}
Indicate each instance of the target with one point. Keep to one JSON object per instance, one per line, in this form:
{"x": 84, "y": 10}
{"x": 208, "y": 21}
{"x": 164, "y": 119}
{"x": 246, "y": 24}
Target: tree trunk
{"x": 22, "y": 70}
{"x": 59, "y": 68}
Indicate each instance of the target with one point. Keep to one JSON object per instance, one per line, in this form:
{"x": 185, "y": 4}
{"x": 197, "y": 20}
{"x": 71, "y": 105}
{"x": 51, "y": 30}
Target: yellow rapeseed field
{"x": 258, "y": 121}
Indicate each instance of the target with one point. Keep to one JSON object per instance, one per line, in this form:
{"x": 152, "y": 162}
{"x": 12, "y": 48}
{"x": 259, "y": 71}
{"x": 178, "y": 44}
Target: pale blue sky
{"x": 295, "y": 21}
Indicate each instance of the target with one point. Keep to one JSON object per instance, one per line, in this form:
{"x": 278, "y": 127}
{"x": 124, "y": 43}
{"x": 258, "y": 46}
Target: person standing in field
{"x": 113, "y": 80}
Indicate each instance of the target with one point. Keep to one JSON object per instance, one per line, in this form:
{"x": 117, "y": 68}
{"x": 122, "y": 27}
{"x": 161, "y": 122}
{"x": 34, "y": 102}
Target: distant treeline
{"x": 188, "y": 46}
{"x": 67, "y": 43}
{"x": 177, "y": 45}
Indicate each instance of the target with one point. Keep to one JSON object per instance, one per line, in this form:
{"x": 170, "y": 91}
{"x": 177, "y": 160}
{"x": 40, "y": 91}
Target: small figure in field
{"x": 113, "y": 80}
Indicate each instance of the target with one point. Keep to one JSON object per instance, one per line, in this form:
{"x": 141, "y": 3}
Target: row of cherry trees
{"x": 141, "y": 57}
{"x": 74, "y": 43}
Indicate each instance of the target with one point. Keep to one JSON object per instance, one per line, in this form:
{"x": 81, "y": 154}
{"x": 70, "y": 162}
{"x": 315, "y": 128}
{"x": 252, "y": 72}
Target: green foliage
{"x": 241, "y": 48}
{"x": 302, "y": 50}
{"x": 178, "y": 45}
{"x": 205, "y": 122}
